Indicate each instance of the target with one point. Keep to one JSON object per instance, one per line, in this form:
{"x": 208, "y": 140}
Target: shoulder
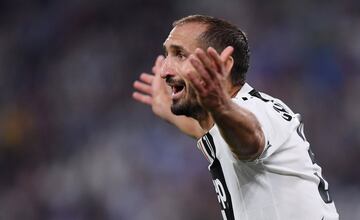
{"x": 254, "y": 100}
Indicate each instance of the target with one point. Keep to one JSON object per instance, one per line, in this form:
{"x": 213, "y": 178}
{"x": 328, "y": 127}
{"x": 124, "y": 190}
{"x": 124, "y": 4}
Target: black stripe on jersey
{"x": 218, "y": 177}
{"x": 256, "y": 94}
{"x": 209, "y": 145}
{"x": 222, "y": 190}
{"x": 210, "y": 138}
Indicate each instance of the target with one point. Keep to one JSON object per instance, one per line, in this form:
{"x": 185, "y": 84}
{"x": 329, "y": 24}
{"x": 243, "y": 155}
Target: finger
{"x": 143, "y": 87}
{"x": 147, "y": 78}
{"x": 200, "y": 69}
{"x": 146, "y": 99}
{"x": 216, "y": 57}
{"x": 207, "y": 62}
{"x": 220, "y": 59}
{"x": 158, "y": 64}
{"x": 159, "y": 60}
{"x": 196, "y": 83}
{"x": 226, "y": 53}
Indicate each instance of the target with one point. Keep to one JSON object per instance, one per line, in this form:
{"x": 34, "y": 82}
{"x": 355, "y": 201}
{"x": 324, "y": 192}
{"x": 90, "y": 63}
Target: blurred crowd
{"x": 75, "y": 146}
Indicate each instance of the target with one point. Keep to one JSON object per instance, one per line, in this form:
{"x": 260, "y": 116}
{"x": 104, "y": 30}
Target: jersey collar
{"x": 245, "y": 89}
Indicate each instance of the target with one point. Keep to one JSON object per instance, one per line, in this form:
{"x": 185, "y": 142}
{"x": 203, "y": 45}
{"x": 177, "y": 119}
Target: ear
{"x": 229, "y": 63}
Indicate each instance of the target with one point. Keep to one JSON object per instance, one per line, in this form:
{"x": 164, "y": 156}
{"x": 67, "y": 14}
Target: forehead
{"x": 185, "y": 35}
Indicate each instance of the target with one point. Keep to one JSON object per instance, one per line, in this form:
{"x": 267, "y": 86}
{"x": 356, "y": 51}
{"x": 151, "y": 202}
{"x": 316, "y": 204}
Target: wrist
{"x": 222, "y": 108}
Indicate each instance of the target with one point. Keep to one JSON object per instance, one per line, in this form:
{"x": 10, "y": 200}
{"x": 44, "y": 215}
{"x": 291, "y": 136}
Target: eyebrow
{"x": 175, "y": 47}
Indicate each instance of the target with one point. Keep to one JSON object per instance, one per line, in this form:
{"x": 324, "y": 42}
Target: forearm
{"x": 240, "y": 129}
{"x": 188, "y": 126}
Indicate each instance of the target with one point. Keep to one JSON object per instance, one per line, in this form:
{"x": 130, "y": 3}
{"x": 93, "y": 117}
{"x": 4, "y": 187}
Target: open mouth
{"x": 177, "y": 91}
{"x": 177, "y": 88}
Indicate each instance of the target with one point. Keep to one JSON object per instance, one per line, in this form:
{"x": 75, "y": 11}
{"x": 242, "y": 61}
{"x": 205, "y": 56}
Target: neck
{"x": 234, "y": 90}
{"x": 206, "y": 121}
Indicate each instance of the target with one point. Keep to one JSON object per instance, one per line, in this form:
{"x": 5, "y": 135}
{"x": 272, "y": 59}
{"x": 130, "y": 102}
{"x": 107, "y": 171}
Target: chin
{"x": 178, "y": 110}
{"x": 187, "y": 109}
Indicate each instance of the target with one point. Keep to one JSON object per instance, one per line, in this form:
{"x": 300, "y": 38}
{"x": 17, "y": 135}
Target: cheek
{"x": 186, "y": 69}
{"x": 191, "y": 95}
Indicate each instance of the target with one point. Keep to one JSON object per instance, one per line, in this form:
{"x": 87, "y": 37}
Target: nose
{"x": 167, "y": 70}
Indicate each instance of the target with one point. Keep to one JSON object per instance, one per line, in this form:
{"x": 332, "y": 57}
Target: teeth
{"x": 176, "y": 89}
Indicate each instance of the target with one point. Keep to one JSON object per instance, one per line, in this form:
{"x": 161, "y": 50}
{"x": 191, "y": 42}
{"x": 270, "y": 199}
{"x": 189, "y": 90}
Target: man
{"x": 260, "y": 161}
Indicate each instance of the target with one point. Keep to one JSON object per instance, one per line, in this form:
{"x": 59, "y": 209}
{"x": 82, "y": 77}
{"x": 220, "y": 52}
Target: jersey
{"x": 283, "y": 183}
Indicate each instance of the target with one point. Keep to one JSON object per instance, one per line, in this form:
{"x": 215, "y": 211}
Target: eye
{"x": 180, "y": 55}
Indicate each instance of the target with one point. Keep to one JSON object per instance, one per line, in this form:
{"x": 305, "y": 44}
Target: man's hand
{"x": 152, "y": 90}
{"x": 211, "y": 83}
{"x": 238, "y": 126}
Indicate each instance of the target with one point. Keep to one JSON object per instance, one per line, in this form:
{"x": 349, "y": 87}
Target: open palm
{"x": 152, "y": 90}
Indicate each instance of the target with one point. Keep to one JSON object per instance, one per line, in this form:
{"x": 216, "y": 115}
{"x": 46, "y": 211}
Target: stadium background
{"x": 74, "y": 145}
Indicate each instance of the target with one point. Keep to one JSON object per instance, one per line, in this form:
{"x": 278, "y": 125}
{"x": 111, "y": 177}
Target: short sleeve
{"x": 275, "y": 128}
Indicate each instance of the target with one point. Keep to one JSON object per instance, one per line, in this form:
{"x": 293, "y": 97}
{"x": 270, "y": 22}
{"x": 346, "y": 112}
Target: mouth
{"x": 177, "y": 88}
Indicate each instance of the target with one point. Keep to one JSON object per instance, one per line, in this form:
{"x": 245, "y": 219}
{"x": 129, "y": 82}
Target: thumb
{"x": 226, "y": 53}
{"x": 158, "y": 64}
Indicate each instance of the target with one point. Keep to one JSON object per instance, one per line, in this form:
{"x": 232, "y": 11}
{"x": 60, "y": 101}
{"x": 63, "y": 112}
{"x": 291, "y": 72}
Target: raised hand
{"x": 152, "y": 90}
{"x": 211, "y": 81}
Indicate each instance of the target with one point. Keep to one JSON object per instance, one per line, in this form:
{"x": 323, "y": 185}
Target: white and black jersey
{"x": 283, "y": 183}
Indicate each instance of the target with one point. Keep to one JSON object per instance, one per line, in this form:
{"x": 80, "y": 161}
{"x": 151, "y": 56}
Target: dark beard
{"x": 189, "y": 108}
{"x": 193, "y": 110}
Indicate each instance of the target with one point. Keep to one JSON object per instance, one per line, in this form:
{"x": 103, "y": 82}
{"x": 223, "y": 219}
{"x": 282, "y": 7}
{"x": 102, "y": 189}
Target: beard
{"x": 188, "y": 106}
